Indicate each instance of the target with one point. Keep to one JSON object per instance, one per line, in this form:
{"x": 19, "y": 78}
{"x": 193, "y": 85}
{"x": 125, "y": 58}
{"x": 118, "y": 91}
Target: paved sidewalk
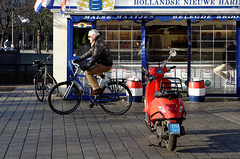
{"x": 29, "y": 129}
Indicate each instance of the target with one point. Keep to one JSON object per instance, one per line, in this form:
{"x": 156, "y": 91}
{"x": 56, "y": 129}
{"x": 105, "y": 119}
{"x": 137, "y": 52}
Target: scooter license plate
{"x": 174, "y": 128}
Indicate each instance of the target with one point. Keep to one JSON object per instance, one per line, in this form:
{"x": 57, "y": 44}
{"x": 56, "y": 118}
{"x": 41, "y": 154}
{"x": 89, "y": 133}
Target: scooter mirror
{"x": 172, "y": 52}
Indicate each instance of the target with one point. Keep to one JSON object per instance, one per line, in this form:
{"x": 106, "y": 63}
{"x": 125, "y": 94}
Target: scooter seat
{"x": 167, "y": 94}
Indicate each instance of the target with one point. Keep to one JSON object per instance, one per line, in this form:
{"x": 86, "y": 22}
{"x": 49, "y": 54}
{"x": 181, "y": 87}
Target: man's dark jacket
{"x": 99, "y": 52}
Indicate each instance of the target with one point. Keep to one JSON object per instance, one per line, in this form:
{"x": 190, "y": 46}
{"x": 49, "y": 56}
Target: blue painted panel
{"x": 95, "y": 4}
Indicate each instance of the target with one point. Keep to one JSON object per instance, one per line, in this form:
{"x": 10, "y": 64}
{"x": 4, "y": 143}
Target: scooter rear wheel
{"x": 171, "y": 143}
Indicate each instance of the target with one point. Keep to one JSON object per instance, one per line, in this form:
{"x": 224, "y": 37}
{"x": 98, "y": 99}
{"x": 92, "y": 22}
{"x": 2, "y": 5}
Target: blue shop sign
{"x": 152, "y": 17}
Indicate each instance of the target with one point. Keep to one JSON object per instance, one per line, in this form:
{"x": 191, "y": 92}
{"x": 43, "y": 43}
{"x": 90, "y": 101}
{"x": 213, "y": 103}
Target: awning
{"x": 76, "y": 18}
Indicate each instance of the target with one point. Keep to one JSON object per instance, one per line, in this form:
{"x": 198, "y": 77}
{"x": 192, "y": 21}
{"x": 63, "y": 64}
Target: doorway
{"x": 81, "y": 44}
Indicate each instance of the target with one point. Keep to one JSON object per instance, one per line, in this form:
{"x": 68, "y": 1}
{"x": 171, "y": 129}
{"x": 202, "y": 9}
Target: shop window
{"x": 166, "y": 35}
{"x": 121, "y": 37}
{"x": 210, "y": 42}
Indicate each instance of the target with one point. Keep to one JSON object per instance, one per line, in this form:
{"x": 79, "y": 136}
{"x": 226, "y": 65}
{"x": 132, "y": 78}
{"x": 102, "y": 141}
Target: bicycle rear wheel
{"x": 63, "y": 98}
{"x": 39, "y": 87}
{"x": 123, "y": 101}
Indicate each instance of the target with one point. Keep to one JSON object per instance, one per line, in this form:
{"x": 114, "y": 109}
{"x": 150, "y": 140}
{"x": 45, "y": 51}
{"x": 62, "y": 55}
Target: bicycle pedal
{"x": 97, "y": 97}
{"x": 91, "y": 105}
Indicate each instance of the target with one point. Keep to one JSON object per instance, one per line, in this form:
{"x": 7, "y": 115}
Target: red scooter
{"x": 163, "y": 108}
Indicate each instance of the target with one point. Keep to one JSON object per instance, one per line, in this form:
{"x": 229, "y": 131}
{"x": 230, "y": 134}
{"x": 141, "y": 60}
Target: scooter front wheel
{"x": 171, "y": 143}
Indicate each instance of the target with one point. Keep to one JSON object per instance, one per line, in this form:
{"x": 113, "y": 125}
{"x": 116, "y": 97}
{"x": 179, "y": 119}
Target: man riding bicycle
{"x": 100, "y": 62}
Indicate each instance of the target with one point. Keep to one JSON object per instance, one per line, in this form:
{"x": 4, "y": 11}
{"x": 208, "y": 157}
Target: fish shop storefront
{"x": 141, "y": 33}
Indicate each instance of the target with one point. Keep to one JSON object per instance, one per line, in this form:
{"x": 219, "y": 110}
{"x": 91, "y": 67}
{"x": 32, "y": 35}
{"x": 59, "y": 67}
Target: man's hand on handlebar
{"x": 76, "y": 60}
{"x": 76, "y": 63}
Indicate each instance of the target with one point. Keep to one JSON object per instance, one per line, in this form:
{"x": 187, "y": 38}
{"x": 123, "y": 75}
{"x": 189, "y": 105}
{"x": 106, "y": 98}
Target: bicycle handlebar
{"x": 47, "y": 58}
{"x": 74, "y": 64}
{"x": 39, "y": 63}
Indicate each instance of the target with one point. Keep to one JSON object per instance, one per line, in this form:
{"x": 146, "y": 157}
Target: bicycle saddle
{"x": 36, "y": 62}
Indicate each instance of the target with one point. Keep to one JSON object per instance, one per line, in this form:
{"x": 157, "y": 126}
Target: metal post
{"x": 189, "y": 52}
{"x": 144, "y": 59}
{"x": 238, "y": 57}
{"x": 69, "y": 45}
{"x": 22, "y": 38}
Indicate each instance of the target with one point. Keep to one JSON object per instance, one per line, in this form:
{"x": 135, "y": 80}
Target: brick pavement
{"x": 29, "y": 129}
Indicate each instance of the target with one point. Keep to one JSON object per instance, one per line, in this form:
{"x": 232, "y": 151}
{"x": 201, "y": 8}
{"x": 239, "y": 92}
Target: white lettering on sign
{"x": 192, "y": 17}
{"x": 223, "y": 17}
{"x": 119, "y": 17}
{"x": 186, "y": 2}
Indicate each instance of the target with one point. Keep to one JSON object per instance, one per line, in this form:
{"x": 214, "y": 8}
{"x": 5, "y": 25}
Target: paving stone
{"x": 29, "y": 129}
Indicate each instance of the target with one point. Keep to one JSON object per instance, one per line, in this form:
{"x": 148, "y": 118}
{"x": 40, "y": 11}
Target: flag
{"x": 63, "y": 6}
{"x": 23, "y": 20}
{"x": 47, "y": 3}
{"x": 38, "y": 6}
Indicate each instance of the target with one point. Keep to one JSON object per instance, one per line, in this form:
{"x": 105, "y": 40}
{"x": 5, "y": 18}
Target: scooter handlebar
{"x": 171, "y": 68}
{"x": 151, "y": 78}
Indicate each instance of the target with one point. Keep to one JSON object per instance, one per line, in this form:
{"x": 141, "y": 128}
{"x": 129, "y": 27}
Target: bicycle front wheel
{"x": 39, "y": 87}
{"x": 64, "y": 98}
{"x": 119, "y": 102}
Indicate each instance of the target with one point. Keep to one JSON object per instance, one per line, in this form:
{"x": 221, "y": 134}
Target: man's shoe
{"x": 95, "y": 92}
{"x": 229, "y": 82}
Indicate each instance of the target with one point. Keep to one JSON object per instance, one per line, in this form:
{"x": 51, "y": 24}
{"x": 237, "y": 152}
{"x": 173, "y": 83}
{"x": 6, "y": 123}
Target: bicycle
{"x": 42, "y": 80}
{"x": 65, "y": 97}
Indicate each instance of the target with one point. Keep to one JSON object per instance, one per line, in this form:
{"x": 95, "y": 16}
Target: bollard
{"x": 196, "y": 91}
{"x": 136, "y": 88}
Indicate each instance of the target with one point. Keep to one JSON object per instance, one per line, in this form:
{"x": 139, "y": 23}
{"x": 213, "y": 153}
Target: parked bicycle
{"x": 42, "y": 80}
{"x": 65, "y": 97}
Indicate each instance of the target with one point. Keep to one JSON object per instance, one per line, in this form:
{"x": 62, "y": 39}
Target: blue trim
{"x": 173, "y": 7}
{"x": 136, "y": 98}
{"x": 69, "y": 45}
{"x": 143, "y": 44}
{"x": 163, "y": 18}
{"x": 197, "y": 98}
{"x": 144, "y": 53}
{"x": 238, "y": 57}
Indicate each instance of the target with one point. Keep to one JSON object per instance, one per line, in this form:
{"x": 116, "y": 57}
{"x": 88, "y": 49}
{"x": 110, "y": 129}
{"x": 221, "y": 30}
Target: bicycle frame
{"x": 45, "y": 68}
{"x": 93, "y": 99}
{"x": 44, "y": 75}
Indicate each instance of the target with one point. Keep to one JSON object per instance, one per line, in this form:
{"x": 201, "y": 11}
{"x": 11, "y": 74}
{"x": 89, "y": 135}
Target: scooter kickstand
{"x": 159, "y": 144}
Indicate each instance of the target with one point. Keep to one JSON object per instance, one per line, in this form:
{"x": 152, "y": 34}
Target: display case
{"x": 210, "y": 41}
{"x": 121, "y": 37}
{"x": 164, "y": 36}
